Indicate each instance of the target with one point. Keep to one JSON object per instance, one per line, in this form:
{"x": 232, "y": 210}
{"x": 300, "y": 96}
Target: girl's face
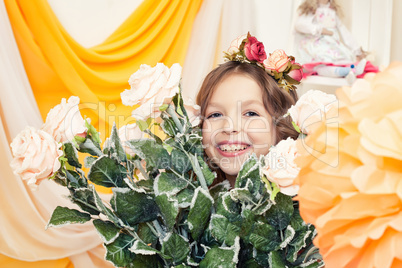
{"x": 236, "y": 124}
{"x": 323, "y": 2}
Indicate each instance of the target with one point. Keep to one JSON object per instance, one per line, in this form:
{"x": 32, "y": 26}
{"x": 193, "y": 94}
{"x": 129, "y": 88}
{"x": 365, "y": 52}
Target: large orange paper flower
{"x": 351, "y": 176}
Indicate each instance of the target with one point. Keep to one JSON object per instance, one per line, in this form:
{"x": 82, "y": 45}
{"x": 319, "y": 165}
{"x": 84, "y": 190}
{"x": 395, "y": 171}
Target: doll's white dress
{"x": 311, "y": 46}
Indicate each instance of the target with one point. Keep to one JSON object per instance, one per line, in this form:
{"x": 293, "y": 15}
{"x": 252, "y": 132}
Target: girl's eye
{"x": 251, "y": 114}
{"x": 214, "y": 115}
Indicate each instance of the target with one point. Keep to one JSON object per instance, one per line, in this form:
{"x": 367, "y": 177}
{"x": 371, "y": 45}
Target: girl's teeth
{"x": 232, "y": 147}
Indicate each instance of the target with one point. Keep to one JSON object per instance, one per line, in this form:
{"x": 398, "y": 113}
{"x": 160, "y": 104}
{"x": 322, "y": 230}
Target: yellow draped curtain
{"x": 58, "y": 67}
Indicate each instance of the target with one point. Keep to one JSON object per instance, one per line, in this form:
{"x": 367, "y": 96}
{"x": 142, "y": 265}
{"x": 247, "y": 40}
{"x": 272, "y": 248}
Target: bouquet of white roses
{"x": 163, "y": 211}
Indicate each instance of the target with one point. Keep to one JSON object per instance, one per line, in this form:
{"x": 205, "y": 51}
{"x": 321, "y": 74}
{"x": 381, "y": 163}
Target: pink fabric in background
{"x": 308, "y": 68}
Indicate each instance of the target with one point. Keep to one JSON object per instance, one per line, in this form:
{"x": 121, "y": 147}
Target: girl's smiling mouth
{"x": 232, "y": 149}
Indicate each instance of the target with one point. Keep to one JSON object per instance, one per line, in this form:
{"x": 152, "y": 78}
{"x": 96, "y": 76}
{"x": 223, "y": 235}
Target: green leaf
{"x": 169, "y": 127}
{"x": 62, "y": 216}
{"x": 275, "y": 260}
{"x": 154, "y": 154}
{"x": 218, "y": 257}
{"x": 143, "y": 125}
{"x": 92, "y": 131}
{"x": 184, "y": 197}
{"x": 227, "y": 207}
{"x": 163, "y": 107}
{"x": 105, "y": 210}
{"x": 178, "y": 102}
{"x": 261, "y": 258}
{"x": 193, "y": 142}
{"x": 250, "y": 172}
{"x": 84, "y": 198}
{"x": 296, "y": 127}
{"x": 200, "y": 210}
{"x": 314, "y": 264}
{"x": 145, "y": 234}
{"x": 75, "y": 180}
{"x": 301, "y": 240}
{"x": 222, "y": 230}
{"x": 225, "y": 257}
{"x": 107, "y": 172}
{"x": 264, "y": 237}
{"x": 175, "y": 246}
{"x": 88, "y": 161}
{"x": 106, "y": 230}
{"x": 91, "y": 147}
{"x": 114, "y": 146}
{"x": 252, "y": 263}
{"x": 279, "y": 215}
{"x": 133, "y": 207}
{"x": 218, "y": 188}
{"x": 181, "y": 162}
{"x": 71, "y": 154}
{"x": 169, "y": 210}
{"x": 288, "y": 235}
{"x": 118, "y": 252}
{"x": 141, "y": 248}
{"x": 247, "y": 225}
{"x": 245, "y": 195}
{"x": 169, "y": 183}
{"x": 206, "y": 171}
{"x": 144, "y": 261}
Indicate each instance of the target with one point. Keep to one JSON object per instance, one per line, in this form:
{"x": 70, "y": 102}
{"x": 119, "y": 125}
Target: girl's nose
{"x": 231, "y": 126}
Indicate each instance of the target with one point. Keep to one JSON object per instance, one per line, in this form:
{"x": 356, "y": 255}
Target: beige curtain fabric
{"x": 24, "y": 214}
{"x": 218, "y": 22}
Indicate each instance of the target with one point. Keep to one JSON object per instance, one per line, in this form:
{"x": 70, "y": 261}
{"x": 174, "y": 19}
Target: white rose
{"x": 151, "y": 88}
{"x": 193, "y": 112}
{"x": 36, "y": 156}
{"x": 234, "y": 46}
{"x": 65, "y": 121}
{"x": 280, "y": 166}
{"x": 313, "y": 107}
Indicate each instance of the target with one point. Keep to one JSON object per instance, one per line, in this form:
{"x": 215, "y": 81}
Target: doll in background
{"x": 323, "y": 44}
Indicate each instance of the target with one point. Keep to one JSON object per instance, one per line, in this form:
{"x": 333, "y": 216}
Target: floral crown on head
{"x": 281, "y": 67}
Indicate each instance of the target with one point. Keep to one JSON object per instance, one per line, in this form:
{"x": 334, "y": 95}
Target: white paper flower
{"x": 151, "y": 88}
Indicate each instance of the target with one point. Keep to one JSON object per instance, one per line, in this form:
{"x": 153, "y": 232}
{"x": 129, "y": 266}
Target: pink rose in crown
{"x": 280, "y": 166}
{"x": 234, "y": 46}
{"x": 296, "y": 74}
{"x": 254, "y": 50}
{"x": 277, "y": 61}
{"x": 65, "y": 121}
{"x": 36, "y": 156}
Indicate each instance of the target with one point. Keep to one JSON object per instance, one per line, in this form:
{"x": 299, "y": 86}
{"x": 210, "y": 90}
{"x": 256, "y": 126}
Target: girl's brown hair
{"x": 310, "y": 7}
{"x": 276, "y": 100}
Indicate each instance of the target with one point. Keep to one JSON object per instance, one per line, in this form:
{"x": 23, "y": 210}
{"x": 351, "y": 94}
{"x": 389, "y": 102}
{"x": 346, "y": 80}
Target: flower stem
{"x": 176, "y": 120}
{"x": 137, "y": 164}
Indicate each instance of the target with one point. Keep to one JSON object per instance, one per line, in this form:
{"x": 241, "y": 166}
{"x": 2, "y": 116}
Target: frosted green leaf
{"x": 62, "y": 216}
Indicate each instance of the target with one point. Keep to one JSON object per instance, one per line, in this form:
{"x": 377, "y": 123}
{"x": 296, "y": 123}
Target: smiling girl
{"x": 242, "y": 108}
